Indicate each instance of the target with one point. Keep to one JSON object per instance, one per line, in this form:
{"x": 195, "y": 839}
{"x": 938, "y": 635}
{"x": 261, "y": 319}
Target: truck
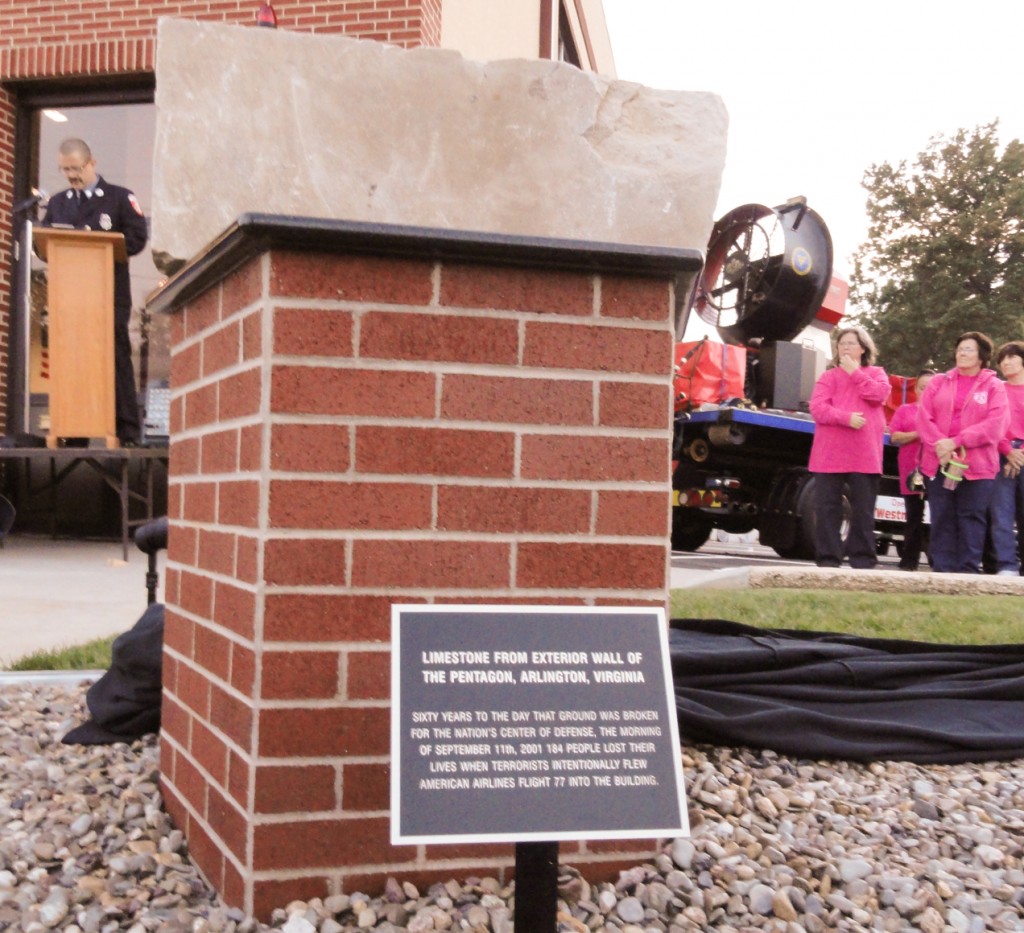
{"x": 742, "y": 430}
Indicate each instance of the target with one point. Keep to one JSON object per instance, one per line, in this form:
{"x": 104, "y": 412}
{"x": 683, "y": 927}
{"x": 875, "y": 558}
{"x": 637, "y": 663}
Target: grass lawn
{"x": 943, "y": 619}
{"x": 91, "y": 656}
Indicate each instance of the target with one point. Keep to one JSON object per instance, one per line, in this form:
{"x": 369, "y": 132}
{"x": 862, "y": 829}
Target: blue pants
{"x": 1007, "y": 507}
{"x": 959, "y": 519}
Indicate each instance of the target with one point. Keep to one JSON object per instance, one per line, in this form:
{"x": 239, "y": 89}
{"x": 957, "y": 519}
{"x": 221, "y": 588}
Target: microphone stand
{"x": 23, "y": 312}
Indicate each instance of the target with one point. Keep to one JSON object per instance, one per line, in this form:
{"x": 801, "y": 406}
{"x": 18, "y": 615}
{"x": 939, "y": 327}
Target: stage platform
{"x": 113, "y": 465}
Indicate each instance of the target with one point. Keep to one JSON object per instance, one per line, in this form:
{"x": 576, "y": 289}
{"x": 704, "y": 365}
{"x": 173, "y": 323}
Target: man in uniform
{"x": 92, "y": 203}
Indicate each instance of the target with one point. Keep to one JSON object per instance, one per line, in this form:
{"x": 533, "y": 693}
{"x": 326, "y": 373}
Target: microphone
{"x": 152, "y": 536}
{"x": 37, "y": 195}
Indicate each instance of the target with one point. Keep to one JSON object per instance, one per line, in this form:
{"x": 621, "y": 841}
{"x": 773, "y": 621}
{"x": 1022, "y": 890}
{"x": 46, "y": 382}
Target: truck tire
{"x": 807, "y": 520}
{"x": 789, "y": 553}
{"x": 690, "y": 529}
{"x": 778, "y": 523}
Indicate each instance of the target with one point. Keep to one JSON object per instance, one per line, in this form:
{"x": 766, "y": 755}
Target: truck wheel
{"x": 690, "y": 529}
{"x": 807, "y": 520}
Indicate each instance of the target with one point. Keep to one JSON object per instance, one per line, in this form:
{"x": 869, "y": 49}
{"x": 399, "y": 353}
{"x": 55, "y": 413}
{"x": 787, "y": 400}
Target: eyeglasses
{"x": 73, "y": 169}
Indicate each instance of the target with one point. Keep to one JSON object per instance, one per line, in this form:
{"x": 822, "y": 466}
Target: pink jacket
{"x": 983, "y": 422}
{"x": 838, "y": 448}
{"x": 909, "y": 455}
{"x": 1015, "y": 428}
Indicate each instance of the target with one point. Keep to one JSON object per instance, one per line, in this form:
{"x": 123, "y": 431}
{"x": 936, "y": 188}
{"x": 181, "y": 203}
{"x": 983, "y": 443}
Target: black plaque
{"x": 515, "y": 723}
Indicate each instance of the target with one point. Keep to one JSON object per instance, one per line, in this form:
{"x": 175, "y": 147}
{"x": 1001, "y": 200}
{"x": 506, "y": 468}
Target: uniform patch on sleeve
{"x": 134, "y": 201}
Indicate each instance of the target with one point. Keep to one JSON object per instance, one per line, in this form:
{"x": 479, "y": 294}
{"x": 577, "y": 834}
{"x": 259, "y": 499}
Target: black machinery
{"x": 767, "y": 273}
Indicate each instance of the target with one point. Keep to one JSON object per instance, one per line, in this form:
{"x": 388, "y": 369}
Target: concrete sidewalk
{"x": 60, "y": 593}
{"x": 66, "y": 592}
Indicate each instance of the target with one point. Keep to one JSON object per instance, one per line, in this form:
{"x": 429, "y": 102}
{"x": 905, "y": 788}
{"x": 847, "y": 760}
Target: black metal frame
{"x": 111, "y": 465}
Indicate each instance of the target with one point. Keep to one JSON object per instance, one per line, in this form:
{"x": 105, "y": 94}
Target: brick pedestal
{"x": 366, "y": 415}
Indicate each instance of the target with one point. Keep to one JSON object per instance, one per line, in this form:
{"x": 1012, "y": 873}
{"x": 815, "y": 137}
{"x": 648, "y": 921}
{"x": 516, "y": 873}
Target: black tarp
{"x": 125, "y": 702}
{"x": 823, "y": 695}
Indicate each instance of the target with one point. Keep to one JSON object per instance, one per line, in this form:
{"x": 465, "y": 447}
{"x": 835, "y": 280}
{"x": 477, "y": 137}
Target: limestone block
{"x": 271, "y": 121}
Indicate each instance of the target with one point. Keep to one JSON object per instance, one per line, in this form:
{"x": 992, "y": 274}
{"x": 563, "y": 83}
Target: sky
{"x": 818, "y": 92}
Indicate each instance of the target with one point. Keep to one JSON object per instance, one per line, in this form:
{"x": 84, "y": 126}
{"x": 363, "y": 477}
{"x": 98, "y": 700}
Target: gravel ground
{"x": 781, "y": 845}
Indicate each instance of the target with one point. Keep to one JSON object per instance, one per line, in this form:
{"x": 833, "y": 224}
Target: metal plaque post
{"x": 537, "y": 886}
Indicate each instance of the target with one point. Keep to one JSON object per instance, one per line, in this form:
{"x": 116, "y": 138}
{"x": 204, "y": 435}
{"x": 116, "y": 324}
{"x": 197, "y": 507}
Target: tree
{"x": 944, "y": 250}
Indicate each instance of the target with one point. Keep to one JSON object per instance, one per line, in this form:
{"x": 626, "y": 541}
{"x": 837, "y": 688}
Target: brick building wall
{"x": 73, "y": 40}
{"x": 355, "y": 430}
{"x": 349, "y": 431}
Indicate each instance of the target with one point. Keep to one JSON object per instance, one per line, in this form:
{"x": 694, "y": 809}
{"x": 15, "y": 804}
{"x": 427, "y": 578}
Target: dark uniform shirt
{"x": 111, "y": 209}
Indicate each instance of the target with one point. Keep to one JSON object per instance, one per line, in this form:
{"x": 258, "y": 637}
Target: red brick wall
{"x": 350, "y": 432}
{"x": 68, "y": 39}
{"x": 6, "y": 203}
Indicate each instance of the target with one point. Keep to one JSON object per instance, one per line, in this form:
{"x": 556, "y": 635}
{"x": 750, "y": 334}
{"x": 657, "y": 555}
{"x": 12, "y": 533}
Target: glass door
{"x": 121, "y": 137}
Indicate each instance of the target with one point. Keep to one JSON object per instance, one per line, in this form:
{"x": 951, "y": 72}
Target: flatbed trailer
{"x": 740, "y": 469}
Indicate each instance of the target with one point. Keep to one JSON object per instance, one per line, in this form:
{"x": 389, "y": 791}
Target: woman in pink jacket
{"x": 903, "y": 434}
{"x": 846, "y": 454}
{"x": 1007, "y": 506}
{"x": 962, "y": 412}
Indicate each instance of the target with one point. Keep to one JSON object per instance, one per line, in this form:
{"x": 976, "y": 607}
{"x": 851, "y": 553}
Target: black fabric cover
{"x": 125, "y": 702}
{"x": 822, "y": 695}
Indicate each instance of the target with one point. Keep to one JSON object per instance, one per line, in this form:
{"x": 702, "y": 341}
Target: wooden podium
{"x": 80, "y": 298}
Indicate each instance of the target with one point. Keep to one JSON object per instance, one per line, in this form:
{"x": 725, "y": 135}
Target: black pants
{"x": 126, "y": 401}
{"x": 861, "y": 490}
{"x": 913, "y": 532}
